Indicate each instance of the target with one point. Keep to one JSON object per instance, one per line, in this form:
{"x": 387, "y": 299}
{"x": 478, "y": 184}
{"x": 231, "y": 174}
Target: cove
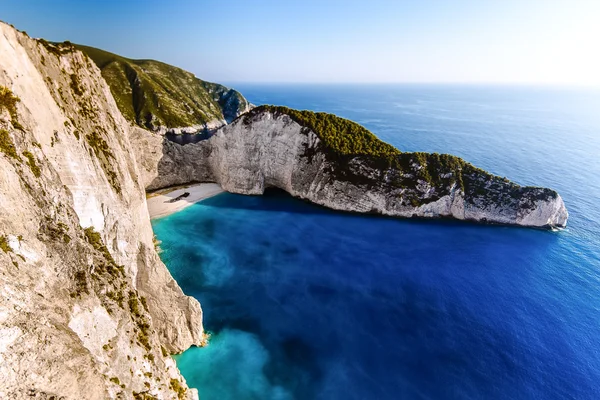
{"x": 305, "y": 303}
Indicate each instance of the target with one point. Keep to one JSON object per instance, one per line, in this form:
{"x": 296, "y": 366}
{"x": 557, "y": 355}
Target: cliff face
{"x": 87, "y": 309}
{"x": 269, "y": 148}
{"x": 164, "y": 98}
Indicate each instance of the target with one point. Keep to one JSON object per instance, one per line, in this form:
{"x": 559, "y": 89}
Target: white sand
{"x": 159, "y": 206}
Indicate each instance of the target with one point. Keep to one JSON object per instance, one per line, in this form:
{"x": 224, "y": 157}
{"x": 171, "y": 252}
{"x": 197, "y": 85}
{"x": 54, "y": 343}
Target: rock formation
{"x": 278, "y": 147}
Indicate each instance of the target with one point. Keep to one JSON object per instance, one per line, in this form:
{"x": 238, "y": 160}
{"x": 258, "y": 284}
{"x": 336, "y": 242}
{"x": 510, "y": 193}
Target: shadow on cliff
{"x": 278, "y": 200}
{"x": 187, "y": 164}
{"x": 178, "y": 164}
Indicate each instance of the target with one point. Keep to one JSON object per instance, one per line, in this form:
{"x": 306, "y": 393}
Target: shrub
{"x": 7, "y": 146}
{"x": 81, "y": 284}
{"x": 176, "y": 386}
{"x": 95, "y": 240}
{"x": 57, "y": 49}
{"x": 76, "y": 85}
{"x": 32, "y": 164}
{"x": 116, "y": 297}
{"x": 104, "y": 155}
{"x": 99, "y": 145}
{"x": 142, "y": 325}
{"x": 143, "y": 396}
{"x": 4, "y": 244}
{"x": 55, "y": 230}
{"x": 133, "y": 305}
{"x": 144, "y": 340}
{"x": 9, "y": 100}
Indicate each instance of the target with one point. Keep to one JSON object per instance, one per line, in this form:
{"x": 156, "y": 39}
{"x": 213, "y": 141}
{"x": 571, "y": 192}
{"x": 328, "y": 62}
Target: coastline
{"x": 159, "y": 204}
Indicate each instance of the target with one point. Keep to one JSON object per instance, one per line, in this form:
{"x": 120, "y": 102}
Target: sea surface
{"x": 305, "y": 303}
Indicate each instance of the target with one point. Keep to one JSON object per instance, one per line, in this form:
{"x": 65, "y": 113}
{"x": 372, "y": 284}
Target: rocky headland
{"x": 338, "y": 164}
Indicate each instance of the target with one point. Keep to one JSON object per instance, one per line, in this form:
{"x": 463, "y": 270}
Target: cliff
{"x": 340, "y": 165}
{"x": 165, "y": 98}
{"x": 87, "y": 309}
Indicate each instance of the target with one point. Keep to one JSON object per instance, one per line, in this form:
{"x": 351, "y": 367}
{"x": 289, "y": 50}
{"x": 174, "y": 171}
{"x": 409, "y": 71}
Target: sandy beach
{"x": 159, "y": 204}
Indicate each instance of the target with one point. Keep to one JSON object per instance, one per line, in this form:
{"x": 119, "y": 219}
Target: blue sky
{"x": 474, "y": 41}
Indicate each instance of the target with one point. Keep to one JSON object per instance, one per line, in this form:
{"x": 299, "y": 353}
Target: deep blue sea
{"x": 304, "y": 303}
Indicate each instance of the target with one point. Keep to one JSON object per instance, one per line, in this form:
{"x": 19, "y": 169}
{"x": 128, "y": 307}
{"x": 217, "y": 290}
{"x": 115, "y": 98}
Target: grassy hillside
{"x": 153, "y": 94}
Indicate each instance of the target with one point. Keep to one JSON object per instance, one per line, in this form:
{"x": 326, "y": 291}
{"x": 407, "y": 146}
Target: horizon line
{"x": 423, "y": 83}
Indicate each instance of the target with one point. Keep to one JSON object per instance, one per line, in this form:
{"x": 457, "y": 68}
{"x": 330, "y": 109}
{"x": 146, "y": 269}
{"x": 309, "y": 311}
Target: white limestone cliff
{"x": 87, "y": 309}
{"x": 266, "y": 149}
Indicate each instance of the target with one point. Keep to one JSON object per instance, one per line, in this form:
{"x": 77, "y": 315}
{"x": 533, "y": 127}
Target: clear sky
{"x": 475, "y": 41}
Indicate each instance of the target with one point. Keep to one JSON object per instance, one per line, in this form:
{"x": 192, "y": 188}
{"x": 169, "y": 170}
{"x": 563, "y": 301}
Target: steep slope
{"x": 87, "y": 309}
{"x": 341, "y": 165}
{"x": 161, "y": 97}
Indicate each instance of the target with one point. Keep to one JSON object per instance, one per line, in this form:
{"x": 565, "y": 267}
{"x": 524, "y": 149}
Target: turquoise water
{"x": 305, "y": 303}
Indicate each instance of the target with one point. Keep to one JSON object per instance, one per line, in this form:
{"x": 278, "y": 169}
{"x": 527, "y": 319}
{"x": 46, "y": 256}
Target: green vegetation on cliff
{"x": 345, "y": 139}
{"x": 58, "y": 49}
{"x": 152, "y": 94}
{"x": 4, "y": 244}
{"x": 110, "y": 266}
{"x": 7, "y": 146}
{"x": 341, "y": 135}
{"x": 178, "y": 388}
{"x": 9, "y": 101}
{"x": 35, "y": 169}
{"x": 345, "y": 142}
